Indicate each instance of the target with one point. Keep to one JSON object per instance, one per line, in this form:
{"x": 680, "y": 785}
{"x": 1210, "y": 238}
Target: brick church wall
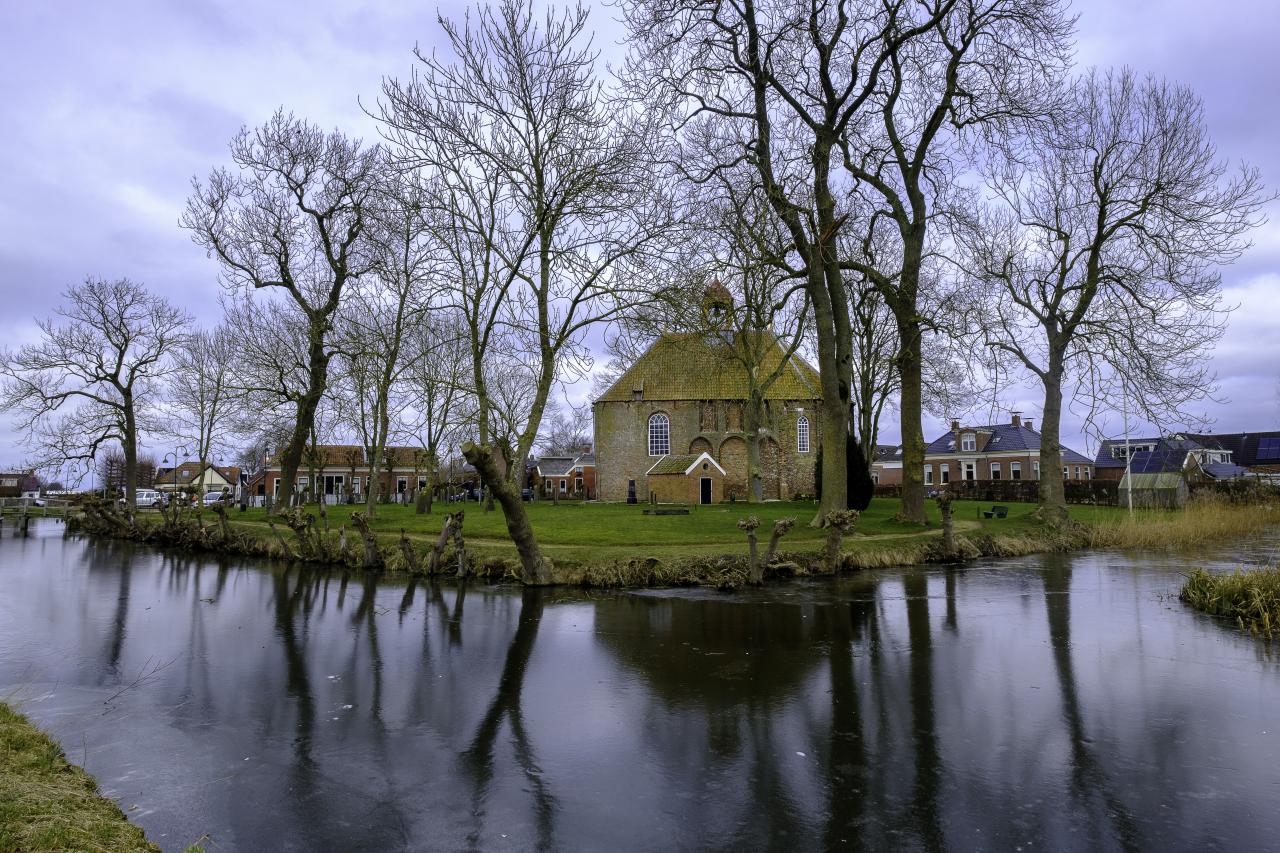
{"x": 622, "y": 444}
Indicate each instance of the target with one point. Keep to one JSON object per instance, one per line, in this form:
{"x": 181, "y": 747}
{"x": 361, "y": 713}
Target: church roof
{"x": 702, "y": 366}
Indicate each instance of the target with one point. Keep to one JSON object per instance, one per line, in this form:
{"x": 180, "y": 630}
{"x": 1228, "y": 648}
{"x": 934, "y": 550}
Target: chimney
{"x": 955, "y": 425}
{"x": 1027, "y": 423}
{"x": 1017, "y": 418}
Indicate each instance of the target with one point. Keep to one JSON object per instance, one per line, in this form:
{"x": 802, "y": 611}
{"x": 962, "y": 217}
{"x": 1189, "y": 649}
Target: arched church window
{"x": 802, "y": 435}
{"x": 659, "y": 434}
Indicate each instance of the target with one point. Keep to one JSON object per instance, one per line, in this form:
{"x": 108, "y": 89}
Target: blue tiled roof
{"x": 1004, "y": 438}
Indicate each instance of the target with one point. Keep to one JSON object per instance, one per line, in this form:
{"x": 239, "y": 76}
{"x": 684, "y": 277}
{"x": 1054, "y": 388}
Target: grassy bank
{"x": 617, "y": 545}
{"x": 47, "y": 803}
{"x": 1250, "y": 598}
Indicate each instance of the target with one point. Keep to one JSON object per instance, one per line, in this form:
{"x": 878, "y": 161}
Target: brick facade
{"x": 622, "y": 444}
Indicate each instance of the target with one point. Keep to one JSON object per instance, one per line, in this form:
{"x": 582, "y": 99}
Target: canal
{"x": 1058, "y": 702}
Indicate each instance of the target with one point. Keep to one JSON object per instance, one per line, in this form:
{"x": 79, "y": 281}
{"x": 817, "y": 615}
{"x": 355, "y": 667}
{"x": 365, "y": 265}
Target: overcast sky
{"x": 109, "y": 110}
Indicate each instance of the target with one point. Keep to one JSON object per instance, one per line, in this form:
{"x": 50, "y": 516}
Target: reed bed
{"x": 1251, "y": 598}
{"x": 1199, "y": 523}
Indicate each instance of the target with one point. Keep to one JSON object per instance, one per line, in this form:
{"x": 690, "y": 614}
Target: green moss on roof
{"x": 697, "y": 366}
{"x": 674, "y": 464}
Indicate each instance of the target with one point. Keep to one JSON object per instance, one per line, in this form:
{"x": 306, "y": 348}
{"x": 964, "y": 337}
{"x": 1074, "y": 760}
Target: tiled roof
{"x": 680, "y": 462}
{"x": 1105, "y": 459}
{"x": 189, "y": 472}
{"x": 555, "y": 466}
{"x": 1003, "y": 438}
{"x": 698, "y": 366}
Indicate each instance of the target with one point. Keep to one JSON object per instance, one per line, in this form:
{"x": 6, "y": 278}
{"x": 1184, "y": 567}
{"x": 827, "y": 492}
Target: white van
{"x": 148, "y": 497}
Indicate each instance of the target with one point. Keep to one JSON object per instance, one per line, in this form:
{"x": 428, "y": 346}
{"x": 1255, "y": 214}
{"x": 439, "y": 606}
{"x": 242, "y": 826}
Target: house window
{"x": 547, "y": 487}
{"x": 355, "y": 485}
{"x": 875, "y": 478}
{"x": 275, "y": 487}
{"x": 1088, "y": 474}
{"x": 302, "y": 483}
{"x": 802, "y": 434}
{"x": 968, "y": 442}
{"x": 970, "y": 472}
{"x": 402, "y": 485}
{"x": 928, "y": 475}
{"x": 563, "y": 486}
{"x": 1035, "y": 470}
{"x": 995, "y": 470}
{"x": 945, "y": 471}
{"x": 577, "y": 485}
{"x": 659, "y": 434}
{"x": 1078, "y": 477}
{"x": 1066, "y": 472}
{"x": 1015, "y": 470}
{"x": 422, "y": 483}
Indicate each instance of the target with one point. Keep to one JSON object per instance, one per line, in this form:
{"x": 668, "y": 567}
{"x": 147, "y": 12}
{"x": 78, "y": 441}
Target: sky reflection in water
{"x": 1055, "y": 702}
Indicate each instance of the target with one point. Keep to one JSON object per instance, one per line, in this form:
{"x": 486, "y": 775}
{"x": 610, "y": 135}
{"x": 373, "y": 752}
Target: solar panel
{"x": 1157, "y": 462}
{"x": 1269, "y": 448}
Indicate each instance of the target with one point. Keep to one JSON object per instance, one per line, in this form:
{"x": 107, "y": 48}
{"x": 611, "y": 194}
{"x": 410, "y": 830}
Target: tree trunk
{"x": 535, "y": 569}
{"x": 752, "y": 417}
{"x": 317, "y": 377}
{"x": 1053, "y": 495}
{"x": 129, "y": 442}
{"x": 910, "y": 371}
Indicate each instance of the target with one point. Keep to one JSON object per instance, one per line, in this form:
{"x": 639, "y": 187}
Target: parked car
{"x": 526, "y": 495}
{"x": 145, "y": 498}
{"x": 211, "y": 498}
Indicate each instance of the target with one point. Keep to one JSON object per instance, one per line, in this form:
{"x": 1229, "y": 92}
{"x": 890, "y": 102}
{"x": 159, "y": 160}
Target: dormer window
{"x": 968, "y": 442}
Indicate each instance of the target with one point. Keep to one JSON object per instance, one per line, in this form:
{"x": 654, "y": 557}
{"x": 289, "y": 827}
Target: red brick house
{"x": 342, "y": 474}
{"x": 989, "y": 452}
{"x": 570, "y": 476}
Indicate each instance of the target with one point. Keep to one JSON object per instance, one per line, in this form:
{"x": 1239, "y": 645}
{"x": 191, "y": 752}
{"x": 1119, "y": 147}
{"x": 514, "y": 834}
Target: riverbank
{"x": 1250, "y": 598}
{"x": 615, "y": 545}
{"x": 48, "y": 803}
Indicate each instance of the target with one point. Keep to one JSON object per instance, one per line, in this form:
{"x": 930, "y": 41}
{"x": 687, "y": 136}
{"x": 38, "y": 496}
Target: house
{"x": 1202, "y": 456}
{"x": 687, "y": 394}
{"x": 341, "y": 474}
{"x": 570, "y": 476}
{"x": 15, "y": 484}
{"x": 989, "y": 452}
{"x": 188, "y": 477}
{"x": 692, "y": 478}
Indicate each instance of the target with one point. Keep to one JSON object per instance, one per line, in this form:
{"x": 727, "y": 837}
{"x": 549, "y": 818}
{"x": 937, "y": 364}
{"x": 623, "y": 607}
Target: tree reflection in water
{"x": 478, "y": 758}
{"x": 1088, "y": 778}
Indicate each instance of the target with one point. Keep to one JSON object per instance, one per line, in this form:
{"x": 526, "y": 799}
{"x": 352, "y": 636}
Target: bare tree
{"x": 200, "y": 400}
{"x": 292, "y": 217}
{"x": 1104, "y": 248}
{"x": 845, "y": 106}
{"x": 566, "y": 431}
{"x": 373, "y": 328}
{"x": 547, "y": 174}
{"x": 94, "y": 376}
{"x": 437, "y": 382}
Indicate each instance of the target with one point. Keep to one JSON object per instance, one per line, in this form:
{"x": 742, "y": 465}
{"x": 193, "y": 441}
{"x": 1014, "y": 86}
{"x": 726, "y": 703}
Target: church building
{"x": 686, "y": 396}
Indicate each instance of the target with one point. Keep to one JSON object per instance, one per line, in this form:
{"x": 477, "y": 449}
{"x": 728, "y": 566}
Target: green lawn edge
{"x": 48, "y": 803}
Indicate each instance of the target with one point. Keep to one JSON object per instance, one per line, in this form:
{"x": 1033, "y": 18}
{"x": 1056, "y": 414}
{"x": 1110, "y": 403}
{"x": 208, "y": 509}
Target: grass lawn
{"x": 585, "y": 532}
{"x": 47, "y": 803}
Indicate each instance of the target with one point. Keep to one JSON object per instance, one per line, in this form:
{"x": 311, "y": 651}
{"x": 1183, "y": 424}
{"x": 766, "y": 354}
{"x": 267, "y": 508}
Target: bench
{"x": 667, "y": 510}
{"x": 996, "y": 512}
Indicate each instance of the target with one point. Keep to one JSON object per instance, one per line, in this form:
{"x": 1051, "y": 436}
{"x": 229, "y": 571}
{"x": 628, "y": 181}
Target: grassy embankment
{"x": 612, "y": 544}
{"x": 1251, "y": 598}
{"x": 47, "y": 803}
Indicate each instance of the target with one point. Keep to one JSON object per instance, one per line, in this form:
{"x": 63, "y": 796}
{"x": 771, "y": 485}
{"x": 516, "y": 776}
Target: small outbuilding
{"x": 686, "y": 479}
{"x": 1155, "y": 480}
